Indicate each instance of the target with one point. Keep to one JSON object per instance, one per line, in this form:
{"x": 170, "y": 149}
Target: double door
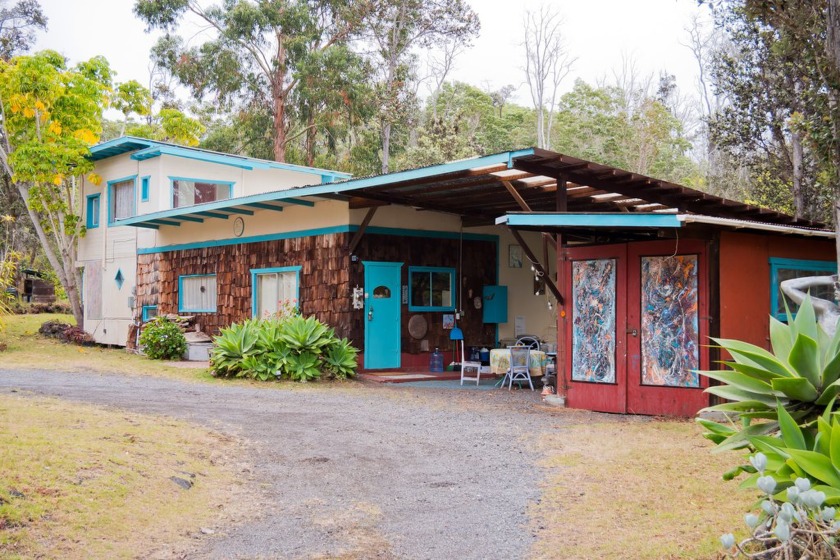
{"x": 637, "y": 327}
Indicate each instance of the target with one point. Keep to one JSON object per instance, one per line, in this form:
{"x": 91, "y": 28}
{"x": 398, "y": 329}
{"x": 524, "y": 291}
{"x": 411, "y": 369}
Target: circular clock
{"x": 238, "y": 226}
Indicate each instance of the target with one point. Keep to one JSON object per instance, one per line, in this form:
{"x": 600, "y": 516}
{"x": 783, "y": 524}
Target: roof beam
{"x": 165, "y": 223}
{"x": 234, "y": 210}
{"x": 299, "y": 202}
{"x": 213, "y": 214}
{"x": 365, "y": 222}
{"x": 190, "y": 219}
{"x": 537, "y": 265}
{"x": 265, "y": 206}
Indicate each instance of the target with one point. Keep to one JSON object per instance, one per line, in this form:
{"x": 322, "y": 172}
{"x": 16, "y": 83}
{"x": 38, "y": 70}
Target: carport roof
{"x": 483, "y": 189}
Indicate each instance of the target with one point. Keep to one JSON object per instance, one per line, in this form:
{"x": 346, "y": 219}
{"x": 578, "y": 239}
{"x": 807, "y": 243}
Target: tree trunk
{"x": 279, "y": 95}
{"x": 796, "y": 160}
{"x": 310, "y": 140}
{"x": 386, "y": 145}
{"x": 68, "y": 281}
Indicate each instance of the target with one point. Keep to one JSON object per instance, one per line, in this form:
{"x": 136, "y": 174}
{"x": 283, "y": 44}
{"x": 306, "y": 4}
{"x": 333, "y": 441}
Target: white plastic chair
{"x": 465, "y": 365}
{"x": 520, "y": 366}
{"x": 530, "y": 341}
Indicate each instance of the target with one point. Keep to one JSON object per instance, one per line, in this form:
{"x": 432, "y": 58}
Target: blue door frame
{"x": 382, "y": 314}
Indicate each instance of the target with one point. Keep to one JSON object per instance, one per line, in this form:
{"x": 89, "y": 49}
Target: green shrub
{"x": 288, "y": 346}
{"x": 162, "y": 339}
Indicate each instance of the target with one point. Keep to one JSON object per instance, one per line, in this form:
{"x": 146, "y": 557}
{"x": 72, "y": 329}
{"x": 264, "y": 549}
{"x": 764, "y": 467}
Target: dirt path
{"x": 354, "y": 471}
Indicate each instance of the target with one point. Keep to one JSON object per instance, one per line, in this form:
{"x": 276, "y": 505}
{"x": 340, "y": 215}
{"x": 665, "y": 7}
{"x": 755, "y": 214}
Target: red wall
{"x": 745, "y": 279}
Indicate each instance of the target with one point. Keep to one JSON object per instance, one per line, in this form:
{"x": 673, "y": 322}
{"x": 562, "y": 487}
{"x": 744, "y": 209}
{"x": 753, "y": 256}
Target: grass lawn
{"x": 28, "y": 350}
{"x": 85, "y": 482}
{"x": 639, "y": 488}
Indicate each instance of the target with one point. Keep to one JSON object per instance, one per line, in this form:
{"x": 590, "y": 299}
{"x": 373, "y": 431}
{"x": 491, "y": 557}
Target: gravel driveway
{"x": 386, "y": 471}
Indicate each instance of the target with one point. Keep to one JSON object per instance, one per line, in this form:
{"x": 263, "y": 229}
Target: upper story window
{"x": 785, "y": 269}
{"x": 186, "y": 192}
{"x": 144, "y": 189}
{"x": 92, "y": 214}
{"x": 431, "y": 288}
{"x": 121, "y": 199}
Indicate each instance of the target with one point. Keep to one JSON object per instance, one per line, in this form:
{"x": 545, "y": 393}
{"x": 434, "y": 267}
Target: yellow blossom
{"x": 28, "y": 112}
{"x": 94, "y": 179}
{"x": 57, "y": 179}
{"x": 55, "y": 127}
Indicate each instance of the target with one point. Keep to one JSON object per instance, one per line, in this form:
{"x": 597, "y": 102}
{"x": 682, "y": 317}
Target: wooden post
{"x": 561, "y": 362}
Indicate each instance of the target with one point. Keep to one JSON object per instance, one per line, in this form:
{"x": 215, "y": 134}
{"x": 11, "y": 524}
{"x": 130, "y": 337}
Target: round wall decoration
{"x": 417, "y": 327}
{"x": 238, "y": 226}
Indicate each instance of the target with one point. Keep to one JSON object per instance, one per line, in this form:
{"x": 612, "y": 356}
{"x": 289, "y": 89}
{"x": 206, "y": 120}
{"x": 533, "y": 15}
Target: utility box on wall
{"x": 495, "y": 300}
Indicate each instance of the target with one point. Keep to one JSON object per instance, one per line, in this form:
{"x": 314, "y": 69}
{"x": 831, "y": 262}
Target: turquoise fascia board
{"x": 430, "y": 269}
{"x": 257, "y": 271}
{"x": 231, "y": 160}
{"x": 318, "y": 231}
{"x": 152, "y": 148}
{"x": 341, "y": 187}
{"x": 93, "y": 210}
{"x": 777, "y": 263}
{"x": 110, "y": 189}
{"x": 624, "y": 220}
{"x": 181, "y": 291}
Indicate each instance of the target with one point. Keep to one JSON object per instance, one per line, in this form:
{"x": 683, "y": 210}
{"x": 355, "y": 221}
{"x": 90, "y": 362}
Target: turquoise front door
{"x": 382, "y": 315}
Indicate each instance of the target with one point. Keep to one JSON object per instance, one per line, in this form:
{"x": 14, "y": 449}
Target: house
{"x": 646, "y": 270}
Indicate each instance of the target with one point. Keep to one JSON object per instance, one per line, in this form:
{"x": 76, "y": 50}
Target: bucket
{"x": 436, "y": 361}
{"x": 484, "y": 355}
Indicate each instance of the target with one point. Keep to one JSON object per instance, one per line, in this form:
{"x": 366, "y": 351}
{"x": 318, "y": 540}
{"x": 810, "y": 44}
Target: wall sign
{"x": 238, "y": 226}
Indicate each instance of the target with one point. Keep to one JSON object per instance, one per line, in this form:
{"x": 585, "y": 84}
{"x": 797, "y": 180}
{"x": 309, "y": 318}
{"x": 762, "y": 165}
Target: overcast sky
{"x": 600, "y": 33}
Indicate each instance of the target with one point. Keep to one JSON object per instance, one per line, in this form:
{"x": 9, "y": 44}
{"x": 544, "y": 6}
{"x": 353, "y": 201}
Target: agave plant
{"x": 232, "y": 346}
{"x": 801, "y": 374}
{"x": 340, "y": 359}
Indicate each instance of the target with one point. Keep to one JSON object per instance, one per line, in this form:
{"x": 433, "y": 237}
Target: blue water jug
{"x": 436, "y": 362}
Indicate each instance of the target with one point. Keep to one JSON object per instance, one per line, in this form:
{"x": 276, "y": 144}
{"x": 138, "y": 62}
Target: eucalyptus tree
{"x": 18, "y": 24}
{"x": 257, "y": 53}
{"x": 547, "y": 63}
{"x": 396, "y": 30}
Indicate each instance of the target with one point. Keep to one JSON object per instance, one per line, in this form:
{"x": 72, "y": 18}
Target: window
{"x": 431, "y": 289}
{"x": 275, "y": 290}
{"x": 197, "y": 293}
{"x": 121, "y": 203}
{"x": 144, "y": 189}
{"x": 92, "y": 218}
{"x": 186, "y": 192}
{"x": 149, "y": 312}
{"x": 785, "y": 269}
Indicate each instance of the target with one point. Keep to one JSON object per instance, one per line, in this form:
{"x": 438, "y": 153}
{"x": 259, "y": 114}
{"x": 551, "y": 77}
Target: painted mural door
{"x": 637, "y": 324}
{"x": 382, "y": 315}
{"x": 668, "y": 311}
{"x": 595, "y": 335}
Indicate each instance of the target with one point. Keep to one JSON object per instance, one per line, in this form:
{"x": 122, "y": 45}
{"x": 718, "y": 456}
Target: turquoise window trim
{"x": 173, "y": 178}
{"x": 257, "y": 271}
{"x": 93, "y": 210}
{"x": 777, "y": 263}
{"x": 431, "y": 269}
{"x": 146, "y": 310}
{"x": 181, "y": 308}
{"x": 321, "y": 231}
{"x": 133, "y": 179}
{"x": 144, "y": 188}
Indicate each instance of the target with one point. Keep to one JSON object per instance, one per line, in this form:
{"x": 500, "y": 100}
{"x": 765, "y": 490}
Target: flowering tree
{"x": 50, "y": 115}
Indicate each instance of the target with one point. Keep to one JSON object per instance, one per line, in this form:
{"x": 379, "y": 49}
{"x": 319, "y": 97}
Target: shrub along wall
{"x": 324, "y": 278}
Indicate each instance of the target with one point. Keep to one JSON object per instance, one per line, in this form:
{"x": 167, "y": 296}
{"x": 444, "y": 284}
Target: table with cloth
{"x": 500, "y": 362}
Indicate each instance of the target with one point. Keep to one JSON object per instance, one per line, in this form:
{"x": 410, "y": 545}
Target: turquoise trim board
{"x": 258, "y": 271}
{"x": 110, "y": 191}
{"x": 779, "y": 264}
{"x": 92, "y": 211}
{"x": 341, "y": 187}
{"x": 623, "y": 220}
{"x": 429, "y": 270}
{"x": 144, "y": 188}
{"x": 319, "y": 231}
{"x": 181, "y": 308}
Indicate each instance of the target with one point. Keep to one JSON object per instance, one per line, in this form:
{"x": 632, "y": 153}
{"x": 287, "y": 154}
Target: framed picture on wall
{"x": 514, "y": 256}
